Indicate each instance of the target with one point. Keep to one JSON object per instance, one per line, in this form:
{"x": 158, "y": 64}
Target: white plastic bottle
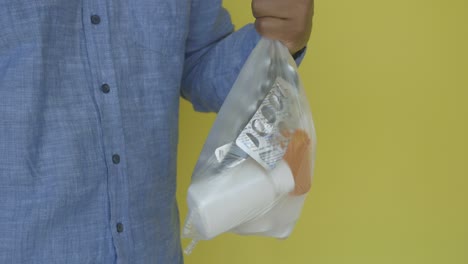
{"x": 220, "y": 203}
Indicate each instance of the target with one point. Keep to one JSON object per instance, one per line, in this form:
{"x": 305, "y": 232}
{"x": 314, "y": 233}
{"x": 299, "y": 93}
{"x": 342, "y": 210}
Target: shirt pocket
{"x": 160, "y": 26}
{"x": 31, "y": 23}
{"x": 19, "y": 20}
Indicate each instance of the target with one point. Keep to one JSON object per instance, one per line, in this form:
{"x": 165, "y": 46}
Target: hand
{"x": 289, "y": 21}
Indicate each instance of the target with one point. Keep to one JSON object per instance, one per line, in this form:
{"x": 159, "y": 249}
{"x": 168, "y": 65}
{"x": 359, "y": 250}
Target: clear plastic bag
{"x": 256, "y": 166}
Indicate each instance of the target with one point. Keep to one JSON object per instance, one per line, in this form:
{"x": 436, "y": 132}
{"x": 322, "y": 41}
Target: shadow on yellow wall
{"x": 388, "y": 85}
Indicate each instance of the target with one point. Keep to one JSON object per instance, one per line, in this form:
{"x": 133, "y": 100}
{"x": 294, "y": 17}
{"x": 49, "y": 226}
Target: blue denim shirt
{"x": 89, "y": 99}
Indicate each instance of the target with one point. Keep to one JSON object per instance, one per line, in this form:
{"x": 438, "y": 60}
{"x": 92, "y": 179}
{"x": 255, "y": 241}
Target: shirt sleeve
{"x": 214, "y": 55}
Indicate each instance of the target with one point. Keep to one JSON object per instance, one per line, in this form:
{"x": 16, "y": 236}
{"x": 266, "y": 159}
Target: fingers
{"x": 289, "y": 21}
{"x": 273, "y": 28}
{"x": 276, "y": 9}
{"x": 283, "y": 9}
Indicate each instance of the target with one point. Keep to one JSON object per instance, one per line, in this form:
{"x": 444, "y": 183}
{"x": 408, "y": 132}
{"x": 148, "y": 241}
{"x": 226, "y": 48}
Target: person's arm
{"x": 215, "y": 54}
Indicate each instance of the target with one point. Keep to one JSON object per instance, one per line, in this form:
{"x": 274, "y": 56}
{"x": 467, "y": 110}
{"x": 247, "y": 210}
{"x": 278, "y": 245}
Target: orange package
{"x": 298, "y": 158}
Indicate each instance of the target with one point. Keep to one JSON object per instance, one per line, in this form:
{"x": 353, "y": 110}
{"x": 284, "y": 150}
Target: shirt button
{"x": 95, "y": 19}
{"x": 119, "y": 227}
{"x": 116, "y": 159}
{"x": 105, "y": 88}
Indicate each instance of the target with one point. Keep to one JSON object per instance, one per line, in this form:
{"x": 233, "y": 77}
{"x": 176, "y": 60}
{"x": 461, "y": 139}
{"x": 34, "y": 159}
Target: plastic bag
{"x": 256, "y": 166}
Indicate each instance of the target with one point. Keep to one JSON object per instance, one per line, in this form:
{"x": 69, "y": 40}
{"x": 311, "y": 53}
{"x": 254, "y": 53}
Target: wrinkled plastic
{"x": 256, "y": 166}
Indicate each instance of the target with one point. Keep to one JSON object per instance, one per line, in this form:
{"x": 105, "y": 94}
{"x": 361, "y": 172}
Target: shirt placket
{"x": 105, "y": 90}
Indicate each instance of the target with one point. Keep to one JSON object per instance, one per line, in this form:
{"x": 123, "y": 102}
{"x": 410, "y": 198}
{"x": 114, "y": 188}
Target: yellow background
{"x": 388, "y": 85}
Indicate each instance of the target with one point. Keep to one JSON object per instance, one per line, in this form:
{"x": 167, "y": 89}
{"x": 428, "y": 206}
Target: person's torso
{"x": 89, "y": 97}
